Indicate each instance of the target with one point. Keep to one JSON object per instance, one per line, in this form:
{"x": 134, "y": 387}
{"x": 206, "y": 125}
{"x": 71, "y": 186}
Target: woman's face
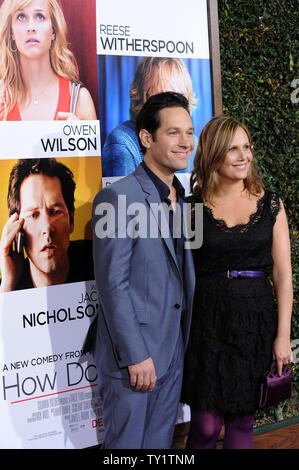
{"x": 238, "y": 158}
{"x": 32, "y": 29}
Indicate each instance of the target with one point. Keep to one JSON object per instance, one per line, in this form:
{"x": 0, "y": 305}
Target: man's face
{"x": 47, "y": 225}
{"x": 171, "y": 146}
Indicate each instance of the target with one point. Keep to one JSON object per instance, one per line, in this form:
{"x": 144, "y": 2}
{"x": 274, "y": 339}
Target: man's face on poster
{"x": 48, "y": 225}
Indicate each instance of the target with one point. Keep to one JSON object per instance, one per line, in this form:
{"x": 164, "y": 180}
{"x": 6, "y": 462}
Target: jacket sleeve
{"x": 112, "y": 251}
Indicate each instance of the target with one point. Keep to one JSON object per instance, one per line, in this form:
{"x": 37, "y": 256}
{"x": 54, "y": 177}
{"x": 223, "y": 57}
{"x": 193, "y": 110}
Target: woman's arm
{"x": 282, "y": 278}
{"x": 85, "y": 109}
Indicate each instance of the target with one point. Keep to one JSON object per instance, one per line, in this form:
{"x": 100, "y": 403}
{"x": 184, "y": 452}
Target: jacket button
{"x": 177, "y": 306}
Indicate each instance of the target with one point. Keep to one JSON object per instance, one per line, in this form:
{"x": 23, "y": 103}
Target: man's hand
{"x": 143, "y": 375}
{"x": 11, "y": 262}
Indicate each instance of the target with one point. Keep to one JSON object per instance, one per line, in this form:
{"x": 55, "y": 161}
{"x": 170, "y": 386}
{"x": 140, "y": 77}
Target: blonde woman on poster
{"x": 122, "y": 153}
{"x": 37, "y": 68}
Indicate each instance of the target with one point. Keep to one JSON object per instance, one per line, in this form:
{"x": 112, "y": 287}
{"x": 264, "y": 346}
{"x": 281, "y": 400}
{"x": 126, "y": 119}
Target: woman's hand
{"x": 282, "y": 352}
{"x": 11, "y": 262}
{"x": 62, "y": 116}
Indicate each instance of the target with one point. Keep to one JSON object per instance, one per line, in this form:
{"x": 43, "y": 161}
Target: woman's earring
{"x": 53, "y": 41}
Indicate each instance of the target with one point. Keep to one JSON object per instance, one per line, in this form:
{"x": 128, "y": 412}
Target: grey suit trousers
{"x": 142, "y": 420}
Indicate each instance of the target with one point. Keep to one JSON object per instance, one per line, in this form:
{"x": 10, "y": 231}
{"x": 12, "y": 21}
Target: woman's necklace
{"x": 35, "y": 99}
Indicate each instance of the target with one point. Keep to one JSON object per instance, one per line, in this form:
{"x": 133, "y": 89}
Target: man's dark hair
{"x": 40, "y": 166}
{"x": 149, "y": 116}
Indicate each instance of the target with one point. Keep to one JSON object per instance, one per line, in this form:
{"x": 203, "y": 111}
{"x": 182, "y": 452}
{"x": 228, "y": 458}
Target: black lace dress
{"x": 234, "y": 320}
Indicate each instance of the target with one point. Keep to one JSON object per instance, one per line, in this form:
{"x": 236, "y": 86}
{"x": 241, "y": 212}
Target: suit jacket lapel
{"x": 152, "y": 197}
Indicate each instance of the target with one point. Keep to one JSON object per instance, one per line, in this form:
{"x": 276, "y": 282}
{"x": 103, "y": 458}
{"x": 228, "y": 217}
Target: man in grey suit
{"x": 145, "y": 280}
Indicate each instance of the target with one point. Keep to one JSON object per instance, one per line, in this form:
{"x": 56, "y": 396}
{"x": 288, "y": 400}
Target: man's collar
{"x": 178, "y": 187}
{"x": 162, "y": 187}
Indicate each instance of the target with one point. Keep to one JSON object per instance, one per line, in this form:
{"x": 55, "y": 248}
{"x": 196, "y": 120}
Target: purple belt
{"x": 244, "y": 274}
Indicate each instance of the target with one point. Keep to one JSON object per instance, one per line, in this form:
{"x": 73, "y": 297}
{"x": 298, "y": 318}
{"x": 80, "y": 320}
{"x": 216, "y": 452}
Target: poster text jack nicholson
{"x": 62, "y": 314}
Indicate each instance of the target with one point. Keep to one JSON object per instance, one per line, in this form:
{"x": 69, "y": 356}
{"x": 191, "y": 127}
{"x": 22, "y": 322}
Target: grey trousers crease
{"x": 142, "y": 420}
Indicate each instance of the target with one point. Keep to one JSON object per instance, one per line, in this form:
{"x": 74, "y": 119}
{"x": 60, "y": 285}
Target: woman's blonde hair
{"x": 213, "y": 145}
{"x": 63, "y": 62}
{"x": 155, "y": 75}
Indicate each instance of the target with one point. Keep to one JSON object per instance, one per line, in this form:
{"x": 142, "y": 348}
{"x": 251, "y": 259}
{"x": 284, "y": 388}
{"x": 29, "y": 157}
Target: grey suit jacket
{"x": 141, "y": 291}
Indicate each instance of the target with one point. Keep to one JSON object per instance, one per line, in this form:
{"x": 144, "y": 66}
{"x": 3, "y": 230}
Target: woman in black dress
{"x": 236, "y": 328}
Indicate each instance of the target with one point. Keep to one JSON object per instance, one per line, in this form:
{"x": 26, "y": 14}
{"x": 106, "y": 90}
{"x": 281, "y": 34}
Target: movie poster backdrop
{"x": 49, "y": 395}
{"x": 176, "y": 57}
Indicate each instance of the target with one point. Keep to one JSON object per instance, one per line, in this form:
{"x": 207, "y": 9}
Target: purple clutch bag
{"x": 274, "y": 388}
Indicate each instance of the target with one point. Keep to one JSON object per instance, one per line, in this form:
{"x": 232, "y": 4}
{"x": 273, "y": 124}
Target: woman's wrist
{"x": 285, "y": 335}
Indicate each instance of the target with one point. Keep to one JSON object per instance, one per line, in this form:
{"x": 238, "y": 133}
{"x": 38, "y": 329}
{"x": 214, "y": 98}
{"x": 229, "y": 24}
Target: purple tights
{"x": 205, "y": 428}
